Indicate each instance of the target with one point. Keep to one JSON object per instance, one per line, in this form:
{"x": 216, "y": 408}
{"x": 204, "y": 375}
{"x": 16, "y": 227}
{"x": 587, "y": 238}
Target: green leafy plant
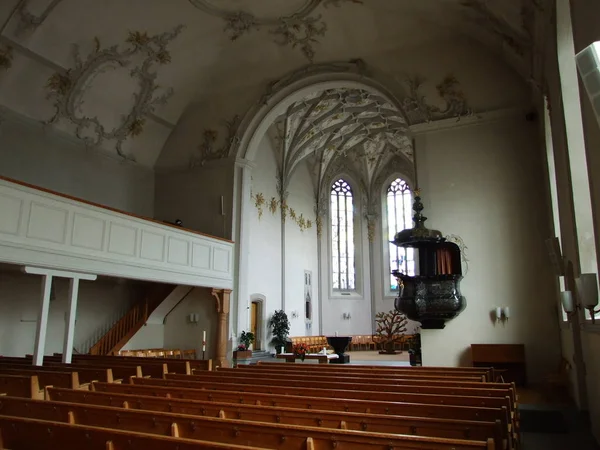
{"x": 280, "y": 329}
{"x": 246, "y": 339}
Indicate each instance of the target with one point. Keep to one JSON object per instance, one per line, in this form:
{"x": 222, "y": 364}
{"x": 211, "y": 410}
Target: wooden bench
{"x": 403, "y": 379}
{"x": 376, "y": 423}
{"x": 230, "y": 431}
{"x": 322, "y": 359}
{"x": 150, "y": 366}
{"x": 320, "y": 403}
{"x": 393, "y": 385}
{"x": 85, "y": 375}
{"x": 490, "y": 402}
{"x": 176, "y": 365}
{"x": 26, "y": 386}
{"x": 380, "y": 370}
{"x": 25, "y": 433}
{"x": 69, "y": 380}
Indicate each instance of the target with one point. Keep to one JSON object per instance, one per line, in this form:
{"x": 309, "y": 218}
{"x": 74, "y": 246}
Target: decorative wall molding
{"x": 299, "y": 28}
{"x": 208, "y": 149}
{"x": 6, "y": 57}
{"x": 68, "y": 88}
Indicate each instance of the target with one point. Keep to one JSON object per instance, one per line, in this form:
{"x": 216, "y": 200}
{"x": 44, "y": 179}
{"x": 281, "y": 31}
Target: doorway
{"x": 256, "y": 325}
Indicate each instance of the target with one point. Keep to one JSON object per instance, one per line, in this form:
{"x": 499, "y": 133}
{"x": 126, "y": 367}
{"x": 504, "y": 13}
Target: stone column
{"x": 222, "y": 297}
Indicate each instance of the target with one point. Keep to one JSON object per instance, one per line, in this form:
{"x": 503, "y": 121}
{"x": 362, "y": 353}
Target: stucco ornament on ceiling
{"x": 211, "y": 149}
{"x": 294, "y": 25}
{"x": 6, "y": 57}
{"x": 419, "y": 110}
{"x": 68, "y": 89}
{"x": 29, "y": 21}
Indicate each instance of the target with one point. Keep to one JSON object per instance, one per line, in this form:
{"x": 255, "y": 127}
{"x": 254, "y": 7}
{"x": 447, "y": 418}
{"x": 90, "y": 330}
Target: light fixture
{"x": 587, "y": 291}
{"x": 346, "y": 316}
{"x": 294, "y": 314}
{"x": 193, "y": 318}
{"x": 569, "y": 306}
{"x": 502, "y": 313}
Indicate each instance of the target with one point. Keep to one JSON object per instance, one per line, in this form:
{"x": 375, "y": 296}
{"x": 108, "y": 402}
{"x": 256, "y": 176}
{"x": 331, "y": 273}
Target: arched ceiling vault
{"x": 120, "y": 74}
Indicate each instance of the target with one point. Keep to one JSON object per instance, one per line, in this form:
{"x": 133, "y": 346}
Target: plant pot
{"x": 239, "y": 354}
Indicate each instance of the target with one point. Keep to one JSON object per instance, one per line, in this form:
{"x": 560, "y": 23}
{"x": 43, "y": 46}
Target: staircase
{"x": 134, "y": 319}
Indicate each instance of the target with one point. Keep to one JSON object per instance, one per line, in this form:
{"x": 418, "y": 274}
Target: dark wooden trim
{"x": 108, "y": 208}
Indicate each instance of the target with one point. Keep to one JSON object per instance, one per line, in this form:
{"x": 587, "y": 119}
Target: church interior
{"x": 177, "y": 175}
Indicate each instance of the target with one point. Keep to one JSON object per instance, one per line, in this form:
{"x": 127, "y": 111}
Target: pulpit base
{"x": 343, "y": 359}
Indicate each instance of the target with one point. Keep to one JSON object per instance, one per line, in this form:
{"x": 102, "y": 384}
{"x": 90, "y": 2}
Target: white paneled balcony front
{"x": 45, "y": 229}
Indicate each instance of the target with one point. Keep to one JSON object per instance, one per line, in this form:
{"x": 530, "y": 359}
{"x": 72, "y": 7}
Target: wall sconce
{"x": 346, "y": 316}
{"x": 193, "y": 317}
{"x": 294, "y": 314}
{"x": 569, "y": 306}
{"x": 587, "y": 291}
{"x": 502, "y": 313}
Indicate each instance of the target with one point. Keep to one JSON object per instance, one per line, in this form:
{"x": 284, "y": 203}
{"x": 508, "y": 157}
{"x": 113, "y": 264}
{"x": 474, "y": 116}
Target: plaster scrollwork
{"x": 209, "y": 149}
{"x": 6, "y": 57}
{"x": 419, "y": 110}
{"x": 68, "y": 88}
{"x": 299, "y": 28}
{"x": 29, "y": 21}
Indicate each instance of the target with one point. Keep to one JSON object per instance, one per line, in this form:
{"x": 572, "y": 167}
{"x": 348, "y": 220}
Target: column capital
{"x": 222, "y": 297}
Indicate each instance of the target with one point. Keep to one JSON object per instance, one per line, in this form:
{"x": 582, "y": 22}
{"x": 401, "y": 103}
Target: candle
{"x": 204, "y": 341}
{"x": 336, "y": 334}
{"x": 282, "y": 349}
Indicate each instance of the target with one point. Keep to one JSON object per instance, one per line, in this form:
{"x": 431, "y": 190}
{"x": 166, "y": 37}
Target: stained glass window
{"x": 342, "y": 236}
{"x": 399, "y": 216}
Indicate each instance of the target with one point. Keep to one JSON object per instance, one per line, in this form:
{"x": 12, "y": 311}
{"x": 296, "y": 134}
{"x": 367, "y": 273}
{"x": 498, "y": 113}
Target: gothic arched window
{"x": 399, "y": 217}
{"x": 342, "y": 236}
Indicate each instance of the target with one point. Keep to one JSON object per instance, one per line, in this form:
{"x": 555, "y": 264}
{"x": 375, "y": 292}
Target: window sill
{"x": 590, "y": 327}
{"x": 350, "y": 296}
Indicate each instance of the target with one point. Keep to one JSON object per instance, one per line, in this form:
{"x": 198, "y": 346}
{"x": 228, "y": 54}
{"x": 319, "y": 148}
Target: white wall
{"x": 264, "y": 252}
{"x": 100, "y": 304}
{"x": 49, "y": 159}
{"x": 485, "y": 184}
{"x": 151, "y": 335}
{"x": 179, "y": 333}
{"x": 301, "y": 254}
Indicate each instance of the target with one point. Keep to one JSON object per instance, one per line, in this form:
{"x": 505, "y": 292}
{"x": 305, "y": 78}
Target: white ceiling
{"x": 205, "y": 62}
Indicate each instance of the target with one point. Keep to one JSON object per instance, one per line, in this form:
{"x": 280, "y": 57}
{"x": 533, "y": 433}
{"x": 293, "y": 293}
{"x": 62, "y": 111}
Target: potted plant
{"x": 243, "y": 350}
{"x": 300, "y": 350}
{"x": 280, "y": 329}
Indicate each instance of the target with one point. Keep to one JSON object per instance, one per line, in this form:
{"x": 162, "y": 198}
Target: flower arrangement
{"x": 300, "y": 350}
{"x": 241, "y": 348}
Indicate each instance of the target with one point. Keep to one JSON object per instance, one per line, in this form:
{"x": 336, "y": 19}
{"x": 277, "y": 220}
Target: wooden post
{"x": 70, "y": 325}
{"x": 222, "y": 297}
{"x": 42, "y": 321}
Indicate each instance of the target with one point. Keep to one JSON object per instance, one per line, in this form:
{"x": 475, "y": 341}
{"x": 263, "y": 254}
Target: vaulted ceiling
{"x": 119, "y": 74}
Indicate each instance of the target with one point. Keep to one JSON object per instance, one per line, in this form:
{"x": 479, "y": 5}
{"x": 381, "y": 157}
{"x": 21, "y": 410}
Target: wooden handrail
{"x": 124, "y": 329}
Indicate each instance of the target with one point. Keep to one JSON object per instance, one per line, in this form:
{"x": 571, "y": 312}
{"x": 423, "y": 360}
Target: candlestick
{"x": 204, "y": 341}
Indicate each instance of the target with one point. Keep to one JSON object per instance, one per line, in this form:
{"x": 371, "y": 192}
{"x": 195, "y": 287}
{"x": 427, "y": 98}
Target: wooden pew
{"x": 20, "y": 433}
{"x": 176, "y": 365}
{"x": 26, "y": 386}
{"x": 319, "y": 403}
{"x": 349, "y": 384}
{"x": 69, "y": 380}
{"x": 85, "y": 375}
{"x": 150, "y": 367}
{"x": 375, "y": 423}
{"x": 440, "y": 373}
{"x": 403, "y": 379}
{"x": 490, "y": 402}
{"x": 96, "y": 372}
{"x": 230, "y": 431}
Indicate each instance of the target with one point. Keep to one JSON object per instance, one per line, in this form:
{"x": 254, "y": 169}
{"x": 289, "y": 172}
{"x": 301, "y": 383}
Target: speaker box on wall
{"x": 588, "y": 64}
